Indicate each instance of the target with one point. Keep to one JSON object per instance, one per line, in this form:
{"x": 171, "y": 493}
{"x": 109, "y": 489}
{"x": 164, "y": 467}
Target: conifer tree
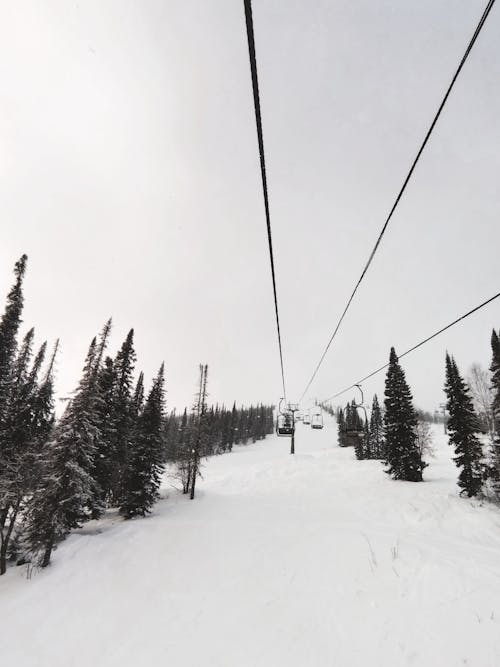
{"x": 360, "y": 441}
{"x": 123, "y": 414}
{"x": 495, "y": 407}
{"x": 106, "y": 424}
{"x": 376, "y": 431}
{"x": 68, "y": 494}
{"x": 43, "y": 408}
{"x": 462, "y": 428}
{"x": 138, "y": 397}
{"x": 9, "y": 327}
{"x": 367, "y": 443}
{"x": 341, "y": 426}
{"x": 145, "y": 464}
{"x": 233, "y": 425}
{"x": 30, "y": 416}
{"x": 400, "y": 421}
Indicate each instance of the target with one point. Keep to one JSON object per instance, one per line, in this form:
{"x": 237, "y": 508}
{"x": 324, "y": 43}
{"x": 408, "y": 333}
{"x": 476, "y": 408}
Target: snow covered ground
{"x": 314, "y": 560}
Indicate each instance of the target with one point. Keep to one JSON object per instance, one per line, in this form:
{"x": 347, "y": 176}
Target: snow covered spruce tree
{"x": 145, "y": 464}
{"x": 462, "y": 428}
{"x": 69, "y": 494}
{"x": 367, "y": 440}
{"x": 495, "y": 383}
{"x": 124, "y": 416}
{"x": 105, "y": 422}
{"x": 400, "y": 421}
{"x": 18, "y": 473}
{"x": 341, "y": 428}
{"x": 9, "y": 328}
{"x": 377, "y": 444}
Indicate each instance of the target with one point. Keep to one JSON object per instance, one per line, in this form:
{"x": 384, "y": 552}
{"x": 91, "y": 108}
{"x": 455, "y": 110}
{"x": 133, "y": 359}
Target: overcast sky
{"x": 129, "y": 174}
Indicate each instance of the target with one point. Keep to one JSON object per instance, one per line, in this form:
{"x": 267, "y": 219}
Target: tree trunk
{"x": 6, "y": 537}
{"x": 48, "y": 552}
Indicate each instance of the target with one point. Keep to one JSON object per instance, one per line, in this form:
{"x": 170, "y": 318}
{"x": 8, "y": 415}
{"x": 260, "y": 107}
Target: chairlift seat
{"x": 284, "y": 425}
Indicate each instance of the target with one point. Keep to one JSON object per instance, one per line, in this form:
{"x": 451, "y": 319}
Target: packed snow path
{"x": 313, "y": 560}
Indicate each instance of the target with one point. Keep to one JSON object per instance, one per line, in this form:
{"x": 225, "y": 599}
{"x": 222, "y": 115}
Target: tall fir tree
{"x": 43, "y": 408}
{"x": 341, "y": 427}
{"x": 377, "y": 431}
{"x": 69, "y": 494}
{"x": 123, "y": 417}
{"x": 462, "y": 428}
{"x": 18, "y": 474}
{"x": 138, "y": 397}
{"x": 495, "y": 384}
{"x": 106, "y": 424}
{"x": 9, "y": 328}
{"x": 400, "y": 422}
{"x": 367, "y": 440}
{"x": 145, "y": 465}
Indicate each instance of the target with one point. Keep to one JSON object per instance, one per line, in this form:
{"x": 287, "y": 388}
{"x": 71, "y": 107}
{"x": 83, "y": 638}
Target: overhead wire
{"x": 415, "y": 347}
{"x": 402, "y": 189}
{"x": 260, "y": 137}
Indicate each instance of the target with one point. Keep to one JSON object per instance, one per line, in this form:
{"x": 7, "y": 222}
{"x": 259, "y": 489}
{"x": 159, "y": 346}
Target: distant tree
{"x": 360, "y": 442}
{"x": 377, "y": 443}
{"x": 424, "y": 438}
{"x": 200, "y": 429}
{"x": 341, "y": 427}
{"x": 462, "y": 428}
{"x": 145, "y": 465}
{"x": 403, "y": 457}
{"x": 233, "y": 425}
{"x": 367, "y": 444}
{"x": 184, "y": 452}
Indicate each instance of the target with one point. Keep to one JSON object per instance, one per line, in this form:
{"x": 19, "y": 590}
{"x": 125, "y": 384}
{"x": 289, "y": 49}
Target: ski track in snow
{"x": 309, "y": 561}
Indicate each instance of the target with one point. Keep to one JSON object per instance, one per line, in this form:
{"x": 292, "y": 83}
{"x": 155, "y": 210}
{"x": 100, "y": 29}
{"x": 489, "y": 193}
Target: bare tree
{"x": 424, "y": 438}
{"x": 479, "y": 382}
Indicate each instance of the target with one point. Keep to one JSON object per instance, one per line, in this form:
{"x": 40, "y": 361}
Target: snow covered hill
{"x": 314, "y": 560}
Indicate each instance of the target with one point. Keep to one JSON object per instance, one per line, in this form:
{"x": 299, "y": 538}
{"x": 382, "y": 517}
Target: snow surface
{"x": 313, "y": 560}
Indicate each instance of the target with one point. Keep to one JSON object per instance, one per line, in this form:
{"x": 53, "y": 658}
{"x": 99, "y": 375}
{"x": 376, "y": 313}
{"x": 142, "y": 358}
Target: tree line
{"x": 399, "y": 435}
{"x": 110, "y": 446}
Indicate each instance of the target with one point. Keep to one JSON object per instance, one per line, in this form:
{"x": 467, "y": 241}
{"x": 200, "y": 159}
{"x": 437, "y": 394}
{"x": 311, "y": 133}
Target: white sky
{"x": 129, "y": 175}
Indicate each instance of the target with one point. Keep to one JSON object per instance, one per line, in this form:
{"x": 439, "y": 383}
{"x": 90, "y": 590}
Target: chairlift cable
{"x": 403, "y": 188}
{"x": 415, "y": 347}
{"x": 260, "y": 136}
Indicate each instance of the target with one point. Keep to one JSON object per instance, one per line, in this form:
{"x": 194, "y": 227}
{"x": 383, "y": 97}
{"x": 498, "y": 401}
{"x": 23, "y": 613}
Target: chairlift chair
{"x": 317, "y": 421}
{"x": 353, "y": 434}
{"x": 284, "y": 425}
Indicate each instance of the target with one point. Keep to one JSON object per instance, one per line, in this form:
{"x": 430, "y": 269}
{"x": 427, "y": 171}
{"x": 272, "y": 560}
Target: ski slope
{"x": 308, "y": 561}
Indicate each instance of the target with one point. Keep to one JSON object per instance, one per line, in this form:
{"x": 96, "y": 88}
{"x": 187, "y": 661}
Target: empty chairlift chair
{"x": 317, "y": 421}
{"x": 355, "y": 432}
{"x": 284, "y": 425}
